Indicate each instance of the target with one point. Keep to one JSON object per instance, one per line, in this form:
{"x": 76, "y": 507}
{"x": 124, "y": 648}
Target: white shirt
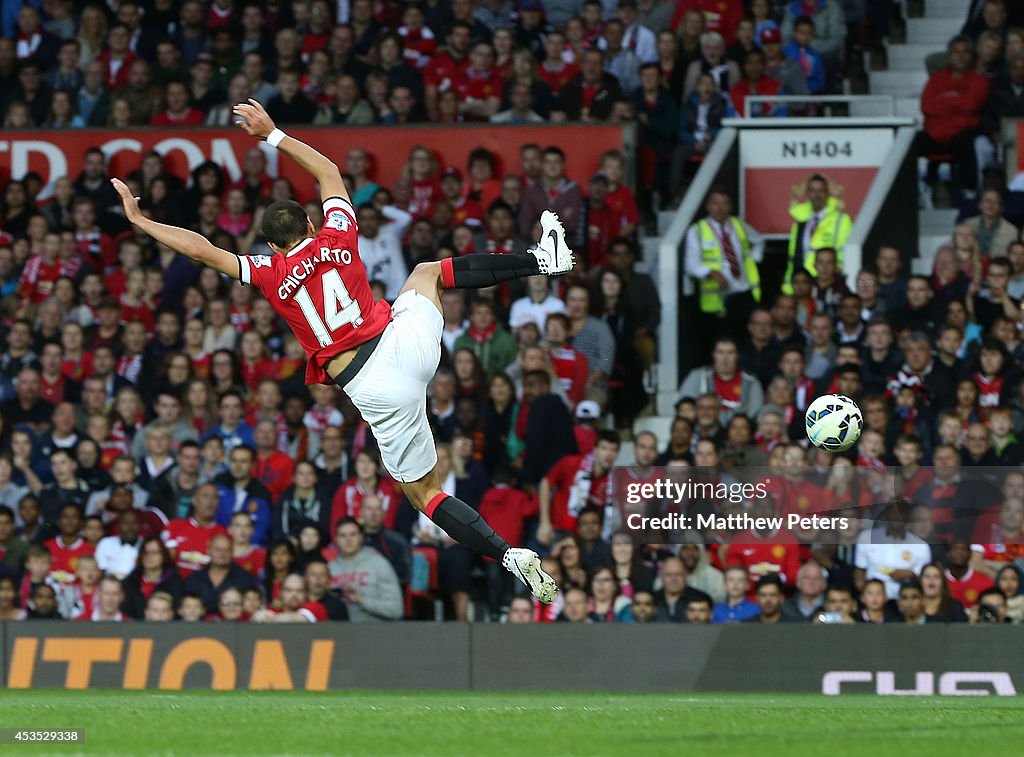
{"x": 449, "y": 335}
{"x": 697, "y": 269}
{"x": 810, "y": 227}
{"x": 642, "y": 42}
{"x": 524, "y": 311}
{"x": 880, "y": 560}
{"x": 382, "y": 255}
{"x": 115, "y": 557}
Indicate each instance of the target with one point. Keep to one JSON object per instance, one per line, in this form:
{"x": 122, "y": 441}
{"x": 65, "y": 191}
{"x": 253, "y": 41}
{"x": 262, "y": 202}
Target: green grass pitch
{"x": 524, "y": 725}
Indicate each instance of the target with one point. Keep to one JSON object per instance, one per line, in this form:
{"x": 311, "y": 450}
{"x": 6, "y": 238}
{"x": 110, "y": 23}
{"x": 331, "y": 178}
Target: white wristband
{"x": 275, "y": 137}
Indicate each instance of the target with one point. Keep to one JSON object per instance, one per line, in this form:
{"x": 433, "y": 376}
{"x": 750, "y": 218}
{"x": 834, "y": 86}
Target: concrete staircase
{"x": 904, "y": 80}
{"x": 906, "y": 75}
{"x": 935, "y": 229}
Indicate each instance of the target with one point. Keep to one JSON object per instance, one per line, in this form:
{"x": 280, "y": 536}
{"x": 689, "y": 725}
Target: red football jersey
{"x": 321, "y": 290}
{"x": 190, "y": 543}
{"x": 65, "y": 557}
{"x": 252, "y": 561}
{"x": 968, "y": 588}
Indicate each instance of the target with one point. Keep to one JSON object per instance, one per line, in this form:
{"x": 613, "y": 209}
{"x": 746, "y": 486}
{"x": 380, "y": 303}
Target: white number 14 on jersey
{"x": 339, "y": 308}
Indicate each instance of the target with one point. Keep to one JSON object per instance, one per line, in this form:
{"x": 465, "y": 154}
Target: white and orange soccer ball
{"x": 834, "y": 422}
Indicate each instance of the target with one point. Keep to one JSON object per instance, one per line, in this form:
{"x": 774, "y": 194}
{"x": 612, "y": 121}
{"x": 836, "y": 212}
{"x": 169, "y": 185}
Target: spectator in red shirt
{"x": 295, "y": 605}
{"x": 445, "y": 66}
{"x": 720, "y": 16}
{"x": 952, "y": 103}
{"x": 570, "y": 366}
{"x": 189, "y": 538}
{"x": 576, "y": 482}
{"x": 464, "y": 210}
{"x": 95, "y": 245}
{"x": 41, "y": 271}
{"x": 479, "y": 87}
{"x": 68, "y": 545}
{"x": 604, "y": 223}
{"x": 274, "y": 469}
{"x": 554, "y": 70}
{"x": 179, "y": 112}
{"x": 755, "y": 82}
{"x": 118, "y": 57}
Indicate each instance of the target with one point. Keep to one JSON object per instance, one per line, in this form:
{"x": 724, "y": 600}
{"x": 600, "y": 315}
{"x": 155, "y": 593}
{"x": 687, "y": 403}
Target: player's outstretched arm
{"x": 184, "y": 241}
{"x": 258, "y": 124}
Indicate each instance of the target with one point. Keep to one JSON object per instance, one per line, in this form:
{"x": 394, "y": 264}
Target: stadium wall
{"x": 885, "y": 660}
{"x": 59, "y": 153}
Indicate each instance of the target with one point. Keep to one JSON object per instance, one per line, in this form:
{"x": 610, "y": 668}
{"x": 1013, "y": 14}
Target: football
{"x": 834, "y": 422}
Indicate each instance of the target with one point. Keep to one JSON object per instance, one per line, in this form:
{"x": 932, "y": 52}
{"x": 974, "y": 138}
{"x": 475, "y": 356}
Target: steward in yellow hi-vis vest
{"x": 817, "y": 223}
{"x": 722, "y": 253}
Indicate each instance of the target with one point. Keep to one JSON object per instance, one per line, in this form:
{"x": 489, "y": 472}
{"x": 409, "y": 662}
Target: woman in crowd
{"x": 629, "y": 572}
{"x": 937, "y": 601}
{"x": 626, "y": 384}
{"x": 155, "y": 571}
{"x": 303, "y": 503}
{"x": 367, "y": 480}
{"x": 470, "y": 379}
{"x": 569, "y": 554}
{"x": 9, "y": 607}
{"x": 279, "y": 565}
{"x": 1010, "y": 580}
{"x": 605, "y": 598}
{"x": 499, "y": 416}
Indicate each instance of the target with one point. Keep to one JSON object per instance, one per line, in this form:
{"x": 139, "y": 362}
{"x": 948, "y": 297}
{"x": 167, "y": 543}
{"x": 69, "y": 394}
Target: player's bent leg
{"x": 550, "y": 256}
{"x": 425, "y": 279}
{"x": 464, "y": 524}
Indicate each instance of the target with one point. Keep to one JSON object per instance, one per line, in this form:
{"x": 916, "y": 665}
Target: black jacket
{"x": 199, "y": 583}
{"x": 570, "y": 99}
{"x": 135, "y": 601}
{"x": 549, "y": 437}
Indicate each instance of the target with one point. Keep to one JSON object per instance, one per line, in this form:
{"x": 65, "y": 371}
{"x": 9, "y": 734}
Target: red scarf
{"x": 482, "y": 336}
{"x": 521, "y": 418}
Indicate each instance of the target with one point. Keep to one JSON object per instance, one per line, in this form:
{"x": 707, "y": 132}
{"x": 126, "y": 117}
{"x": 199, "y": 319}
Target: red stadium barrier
{"x": 56, "y": 154}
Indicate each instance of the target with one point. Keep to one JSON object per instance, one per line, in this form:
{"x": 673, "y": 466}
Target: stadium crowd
{"x": 161, "y": 458}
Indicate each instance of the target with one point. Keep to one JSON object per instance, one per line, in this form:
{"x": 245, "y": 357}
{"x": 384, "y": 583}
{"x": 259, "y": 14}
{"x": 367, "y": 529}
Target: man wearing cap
{"x": 777, "y": 65}
{"x": 588, "y": 415}
{"x": 531, "y": 30}
{"x": 723, "y": 252}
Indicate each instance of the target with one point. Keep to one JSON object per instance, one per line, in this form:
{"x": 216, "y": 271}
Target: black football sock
{"x": 478, "y": 271}
{"x": 464, "y": 524}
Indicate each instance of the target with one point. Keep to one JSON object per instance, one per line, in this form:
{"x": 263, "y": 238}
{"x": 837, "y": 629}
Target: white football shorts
{"x": 390, "y": 390}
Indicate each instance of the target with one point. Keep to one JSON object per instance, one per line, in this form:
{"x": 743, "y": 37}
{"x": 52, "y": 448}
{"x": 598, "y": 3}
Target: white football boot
{"x": 553, "y": 254}
{"x": 524, "y": 564}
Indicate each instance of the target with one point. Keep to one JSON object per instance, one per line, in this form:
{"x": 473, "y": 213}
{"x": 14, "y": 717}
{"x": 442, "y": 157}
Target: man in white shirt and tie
{"x": 639, "y": 39}
{"x": 722, "y": 253}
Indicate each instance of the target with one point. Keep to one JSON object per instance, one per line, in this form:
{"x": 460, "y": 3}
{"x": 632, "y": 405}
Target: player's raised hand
{"x": 256, "y": 122}
{"x": 128, "y": 200}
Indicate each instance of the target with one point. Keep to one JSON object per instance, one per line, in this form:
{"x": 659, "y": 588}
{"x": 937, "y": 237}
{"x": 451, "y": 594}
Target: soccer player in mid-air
{"x": 383, "y": 356}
